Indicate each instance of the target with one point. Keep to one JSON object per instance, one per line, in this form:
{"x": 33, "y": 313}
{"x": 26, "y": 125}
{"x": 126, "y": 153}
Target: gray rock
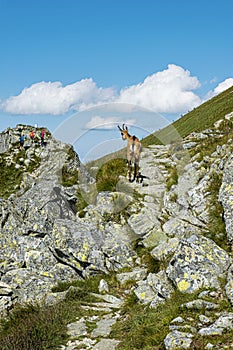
{"x": 178, "y": 340}
{"x": 77, "y": 329}
{"x": 197, "y": 263}
{"x": 210, "y": 331}
{"x": 136, "y": 274}
{"x": 154, "y": 290}
{"x": 165, "y": 248}
{"x": 103, "y": 286}
{"x": 178, "y": 320}
{"x": 229, "y": 285}
{"x": 225, "y": 196}
{"x": 204, "y": 319}
{"x": 199, "y": 304}
{"x": 104, "y": 327}
{"x": 106, "y": 344}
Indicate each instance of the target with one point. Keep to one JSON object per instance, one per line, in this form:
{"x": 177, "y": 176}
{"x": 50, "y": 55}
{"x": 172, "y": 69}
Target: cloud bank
{"x": 109, "y": 123}
{"x": 53, "y": 98}
{"x": 167, "y": 91}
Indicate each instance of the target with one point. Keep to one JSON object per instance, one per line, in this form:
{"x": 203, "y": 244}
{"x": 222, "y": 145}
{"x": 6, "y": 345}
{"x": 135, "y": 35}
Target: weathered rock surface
{"x": 198, "y": 262}
{"x": 43, "y": 239}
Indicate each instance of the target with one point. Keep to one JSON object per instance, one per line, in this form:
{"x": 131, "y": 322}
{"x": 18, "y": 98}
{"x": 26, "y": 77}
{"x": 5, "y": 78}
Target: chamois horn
{"x": 124, "y": 127}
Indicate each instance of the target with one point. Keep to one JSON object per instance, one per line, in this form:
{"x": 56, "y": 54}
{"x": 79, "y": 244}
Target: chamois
{"x": 134, "y": 148}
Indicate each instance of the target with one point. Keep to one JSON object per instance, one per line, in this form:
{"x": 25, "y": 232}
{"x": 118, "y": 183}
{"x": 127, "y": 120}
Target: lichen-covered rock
{"x": 144, "y": 221}
{"x": 165, "y": 249}
{"x": 153, "y": 238}
{"x": 155, "y": 289}
{"x": 226, "y": 197}
{"x": 86, "y": 248}
{"x": 137, "y": 274}
{"x": 229, "y": 285}
{"x": 197, "y": 263}
{"x": 178, "y": 340}
{"x": 222, "y": 324}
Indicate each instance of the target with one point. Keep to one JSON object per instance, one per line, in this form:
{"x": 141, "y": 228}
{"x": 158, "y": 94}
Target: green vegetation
{"x": 216, "y": 226}
{"x": 70, "y": 173}
{"x": 143, "y": 253}
{"x": 41, "y": 328}
{"x": 69, "y": 178}
{"x": 145, "y": 328}
{"x": 172, "y": 178}
{"x": 13, "y": 169}
{"x": 108, "y": 175}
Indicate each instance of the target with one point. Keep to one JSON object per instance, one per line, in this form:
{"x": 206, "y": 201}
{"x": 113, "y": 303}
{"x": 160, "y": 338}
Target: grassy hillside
{"x": 200, "y": 118}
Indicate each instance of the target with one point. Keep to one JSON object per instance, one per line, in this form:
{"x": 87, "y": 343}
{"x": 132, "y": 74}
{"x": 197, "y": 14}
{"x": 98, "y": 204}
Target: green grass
{"x": 33, "y": 327}
{"x": 70, "y": 175}
{"x": 11, "y": 177}
{"x": 172, "y": 178}
{"x": 145, "y": 328}
{"x": 108, "y": 175}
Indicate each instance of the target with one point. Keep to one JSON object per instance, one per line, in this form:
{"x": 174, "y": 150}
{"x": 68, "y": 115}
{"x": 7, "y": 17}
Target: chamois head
{"x": 124, "y": 131}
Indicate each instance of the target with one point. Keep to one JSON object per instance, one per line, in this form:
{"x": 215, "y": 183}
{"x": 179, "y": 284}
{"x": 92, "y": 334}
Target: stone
{"x": 144, "y": 222}
{"x": 106, "y": 344}
{"x": 77, "y": 329}
{"x": 229, "y": 285}
{"x": 178, "y": 319}
{"x": 103, "y": 286}
{"x": 225, "y": 196}
{"x": 178, "y": 340}
{"x": 103, "y": 328}
{"x": 165, "y": 248}
{"x": 136, "y": 274}
{"x": 197, "y": 263}
{"x": 199, "y": 304}
{"x": 153, "y": 238}
{"x": 154, "y": 290}
{"x": 204, "y": 319}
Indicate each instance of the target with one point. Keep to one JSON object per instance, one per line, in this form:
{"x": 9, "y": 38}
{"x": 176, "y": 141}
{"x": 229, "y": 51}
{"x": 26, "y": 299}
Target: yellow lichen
{"x": 143, "y": 295}
{"x": 183, "y": 285}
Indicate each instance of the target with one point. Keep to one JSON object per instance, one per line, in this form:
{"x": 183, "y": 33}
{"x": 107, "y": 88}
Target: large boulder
{"x": 198, "y": 262}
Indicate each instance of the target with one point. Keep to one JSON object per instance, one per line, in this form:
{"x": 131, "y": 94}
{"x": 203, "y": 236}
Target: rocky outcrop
{"x": 44, "y": 240}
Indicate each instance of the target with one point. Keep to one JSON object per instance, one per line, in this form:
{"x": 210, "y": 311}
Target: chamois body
{"x": 134, "y": 148}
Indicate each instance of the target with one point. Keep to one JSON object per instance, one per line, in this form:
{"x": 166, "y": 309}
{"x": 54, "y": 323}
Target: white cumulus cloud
{"x": 224, "y": 85}
{"x": 98, "y": 122}
{"x": 53, "y": 98}
{"x": 168, "y": 91}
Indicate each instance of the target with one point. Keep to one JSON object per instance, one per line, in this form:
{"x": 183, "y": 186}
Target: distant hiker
{"x": 32, "y": 135}
{"x": 21, "y": 140}
{"x": 42, "y": 136}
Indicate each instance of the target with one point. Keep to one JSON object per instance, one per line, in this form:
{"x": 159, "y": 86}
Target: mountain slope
{"x": 200, "y": 118}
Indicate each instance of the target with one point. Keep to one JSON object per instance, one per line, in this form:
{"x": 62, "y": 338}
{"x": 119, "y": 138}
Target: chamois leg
{"x": 136, "y": 171}
{"x": 129, "y": 170}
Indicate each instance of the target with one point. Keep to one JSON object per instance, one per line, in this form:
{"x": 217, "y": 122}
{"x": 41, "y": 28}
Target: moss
{"x": 172, "y": 178}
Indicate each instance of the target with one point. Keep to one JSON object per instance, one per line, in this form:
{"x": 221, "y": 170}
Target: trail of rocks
{"x": 171, "y": 225}
{"x": 44, "y": 239}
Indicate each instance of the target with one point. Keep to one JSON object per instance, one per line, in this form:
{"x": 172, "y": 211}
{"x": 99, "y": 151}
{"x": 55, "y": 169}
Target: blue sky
{"x": 63, "y": 57}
